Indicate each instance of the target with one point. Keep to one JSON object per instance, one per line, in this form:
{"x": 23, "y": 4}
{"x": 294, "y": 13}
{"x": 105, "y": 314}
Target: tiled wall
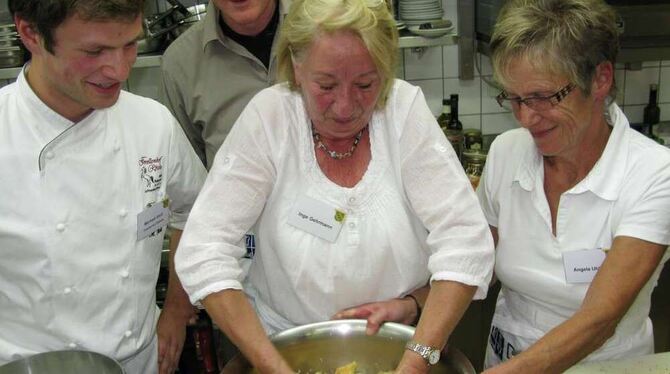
{"x": 435, "y": 70}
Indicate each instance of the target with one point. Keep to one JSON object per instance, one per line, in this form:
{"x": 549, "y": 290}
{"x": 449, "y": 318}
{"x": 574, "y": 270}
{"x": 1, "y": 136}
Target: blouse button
{"x": 60, "y": 227}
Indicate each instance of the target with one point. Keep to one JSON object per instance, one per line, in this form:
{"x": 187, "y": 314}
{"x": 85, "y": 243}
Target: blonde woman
{"x": 357, "y": 198}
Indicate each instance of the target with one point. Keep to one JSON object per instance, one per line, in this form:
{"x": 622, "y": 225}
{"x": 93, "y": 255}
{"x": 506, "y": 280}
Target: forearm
{"x": 563, "y": 346}
{"x": 176, "y": 298}
{"x": 445, "y": 305}
{"x": 232, "y": 312}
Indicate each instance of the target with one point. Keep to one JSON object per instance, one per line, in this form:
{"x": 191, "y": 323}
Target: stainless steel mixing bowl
{"x": 62, "y": 362}
{"x": 325, "y": 346}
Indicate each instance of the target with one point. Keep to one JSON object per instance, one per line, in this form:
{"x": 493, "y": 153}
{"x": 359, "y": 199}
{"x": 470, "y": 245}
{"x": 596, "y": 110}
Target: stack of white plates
{"x": 416, "y": 12}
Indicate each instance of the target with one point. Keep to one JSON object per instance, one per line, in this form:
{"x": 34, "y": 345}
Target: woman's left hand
{"x": 394, "y": 310}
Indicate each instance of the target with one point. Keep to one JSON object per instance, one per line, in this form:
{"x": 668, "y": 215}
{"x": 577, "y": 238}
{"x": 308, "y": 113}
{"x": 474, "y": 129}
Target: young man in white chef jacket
{"x": 90, "y": 178}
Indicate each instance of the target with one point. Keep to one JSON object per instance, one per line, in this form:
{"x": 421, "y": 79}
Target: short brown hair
{"x": 47, "y": 15}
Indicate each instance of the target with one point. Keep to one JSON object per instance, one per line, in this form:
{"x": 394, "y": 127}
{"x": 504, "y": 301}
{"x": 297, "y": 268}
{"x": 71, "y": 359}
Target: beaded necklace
{"x": 334, "y": 154}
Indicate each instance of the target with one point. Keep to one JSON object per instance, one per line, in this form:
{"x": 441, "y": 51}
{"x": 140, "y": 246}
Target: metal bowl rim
{"x": 344, "y": 327}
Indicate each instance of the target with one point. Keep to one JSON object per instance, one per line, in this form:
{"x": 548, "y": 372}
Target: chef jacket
{"x": 73, "y": 273}
{"x": 626, "y": 193}
{"x": 412, "y": 217}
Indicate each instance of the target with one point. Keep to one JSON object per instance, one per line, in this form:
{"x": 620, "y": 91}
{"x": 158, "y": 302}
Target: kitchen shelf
{"x": 406, "y": 41}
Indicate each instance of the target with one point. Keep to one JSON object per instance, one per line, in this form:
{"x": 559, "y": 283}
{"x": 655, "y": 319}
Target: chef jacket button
{"x": 67, "y": 290}
{"x": 226, "y": 160}
{"x": 352, "y": 200}
{"x": 117, "y": 148}
{"x": 49, "y": 155}
{"x": 60, "y": 227}
{"x": 125, "y": 273}
{"x": 123, "y": 212}
{"x": 352, "y": 225}
{"x": 128, "y": 333}
{"x": 443, "y": 149}
{"x": 72, "y": 345}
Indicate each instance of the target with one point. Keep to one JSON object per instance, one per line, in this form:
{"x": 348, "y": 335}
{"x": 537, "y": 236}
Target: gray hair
{"x": 569, "y": 38}
{"x": 371, "y": 20}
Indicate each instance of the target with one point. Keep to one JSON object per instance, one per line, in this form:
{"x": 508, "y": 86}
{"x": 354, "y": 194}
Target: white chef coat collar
{"x": 58, "y": 122}
{"x": 605, "y": 178}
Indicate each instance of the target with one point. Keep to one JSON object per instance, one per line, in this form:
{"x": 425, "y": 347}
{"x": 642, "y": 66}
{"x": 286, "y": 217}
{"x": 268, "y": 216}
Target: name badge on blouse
{"x": 581, "y": 266}
{"x": 317, "y": 218}
{"x": 152, "y": 220}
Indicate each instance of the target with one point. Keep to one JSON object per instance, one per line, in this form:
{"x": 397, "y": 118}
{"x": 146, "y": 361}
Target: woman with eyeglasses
{"x": 577, "y": 201}
{"x": 357, "y": 198}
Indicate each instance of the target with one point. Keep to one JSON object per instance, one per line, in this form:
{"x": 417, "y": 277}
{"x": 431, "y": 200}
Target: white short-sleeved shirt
{"x": 73, "y": 274}
{"x": 627, "y": 193}
{"x": 413, "y": 214}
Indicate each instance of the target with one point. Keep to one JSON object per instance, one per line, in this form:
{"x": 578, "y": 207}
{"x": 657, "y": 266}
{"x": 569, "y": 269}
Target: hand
{"x": 171, "y": 331}
{"x": 393, "y": 310}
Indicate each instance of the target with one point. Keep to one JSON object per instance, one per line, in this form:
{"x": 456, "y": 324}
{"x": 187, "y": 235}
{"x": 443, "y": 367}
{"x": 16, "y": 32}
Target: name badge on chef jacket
{"x": 317, "y": 218}
{"x": 581, "y": 266}
{"x": 152, "y": 219}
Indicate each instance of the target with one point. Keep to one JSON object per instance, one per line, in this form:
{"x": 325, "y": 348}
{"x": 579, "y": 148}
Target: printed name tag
{"x": 152, "y": 219}
{"x": 582, "y": 266}
{"x": 317, "y": 218}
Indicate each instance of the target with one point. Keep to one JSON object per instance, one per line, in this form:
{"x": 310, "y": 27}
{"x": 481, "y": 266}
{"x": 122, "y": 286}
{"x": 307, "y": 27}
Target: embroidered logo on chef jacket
{"x": 151, "y": 172}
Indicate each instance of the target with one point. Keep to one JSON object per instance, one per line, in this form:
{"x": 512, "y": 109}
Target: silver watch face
{"x": 434, "y": 357}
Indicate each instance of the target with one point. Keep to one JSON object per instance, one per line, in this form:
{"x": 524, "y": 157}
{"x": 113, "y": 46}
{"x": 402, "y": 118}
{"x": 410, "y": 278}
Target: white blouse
{"x": 412, "y": 215}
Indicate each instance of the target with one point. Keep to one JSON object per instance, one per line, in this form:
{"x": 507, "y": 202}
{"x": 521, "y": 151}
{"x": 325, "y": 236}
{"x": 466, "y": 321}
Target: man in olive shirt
{"x": 212, "y": 71}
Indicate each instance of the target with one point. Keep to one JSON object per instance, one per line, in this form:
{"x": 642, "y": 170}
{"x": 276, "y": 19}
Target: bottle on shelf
{"x": 652, "y": 113}
{"x": 454, "y": 127}
{"x": 443, "y": 118}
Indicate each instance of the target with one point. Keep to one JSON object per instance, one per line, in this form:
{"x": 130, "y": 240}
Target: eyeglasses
{"x": 536, "y": 103}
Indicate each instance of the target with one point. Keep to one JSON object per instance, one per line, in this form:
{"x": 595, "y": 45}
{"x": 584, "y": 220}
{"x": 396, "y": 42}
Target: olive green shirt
{"x": 208, "y": 79}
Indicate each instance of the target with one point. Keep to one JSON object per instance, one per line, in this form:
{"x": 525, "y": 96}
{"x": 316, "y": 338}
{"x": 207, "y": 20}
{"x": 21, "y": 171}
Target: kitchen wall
{"x": 435, "y": 70}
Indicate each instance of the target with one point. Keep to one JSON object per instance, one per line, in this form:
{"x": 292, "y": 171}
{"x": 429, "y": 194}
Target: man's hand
{"x": 171, "y": 334}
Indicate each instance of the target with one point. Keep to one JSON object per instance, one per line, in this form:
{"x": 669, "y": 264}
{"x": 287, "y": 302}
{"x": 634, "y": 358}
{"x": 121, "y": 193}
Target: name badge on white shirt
{"x": 317, "y": 218}
{"x": 152, "y": 220}
{"x": 581, "y": 266}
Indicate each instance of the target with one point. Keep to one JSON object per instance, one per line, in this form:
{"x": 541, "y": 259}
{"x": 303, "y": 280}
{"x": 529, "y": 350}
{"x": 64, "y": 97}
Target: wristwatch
{"x": 430, "y": 354}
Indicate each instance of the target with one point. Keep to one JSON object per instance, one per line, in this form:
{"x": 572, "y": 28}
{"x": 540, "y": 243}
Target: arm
{"x": 446, "y": 303}
{"x": 627, "y": 267}
{"x": 232, "y": 312}
{"x": 172, "y": 96}
{"x": 403, "y": 310}
{"x": 174, "y": 317}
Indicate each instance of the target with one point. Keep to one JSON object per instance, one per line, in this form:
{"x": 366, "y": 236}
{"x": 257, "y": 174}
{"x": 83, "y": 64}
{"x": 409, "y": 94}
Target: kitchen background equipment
{"x": 62, "y": 362}
{"x": 325, "y": 346}
{"x": 12, "y": 52}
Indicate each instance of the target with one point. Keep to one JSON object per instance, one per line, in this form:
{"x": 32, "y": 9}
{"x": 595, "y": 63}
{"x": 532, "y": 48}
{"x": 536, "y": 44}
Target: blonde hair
{"x": 569, "y": 38}
{"x": 369, "y": 19}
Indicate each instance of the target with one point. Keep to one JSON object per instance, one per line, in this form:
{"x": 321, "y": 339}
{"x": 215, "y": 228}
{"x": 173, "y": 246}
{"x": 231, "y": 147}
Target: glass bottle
{"x": 652, "y": 113}
{"x": 454, "y": 128}
{"x": 443, "y": 118}
{"x": 473, "y": 162}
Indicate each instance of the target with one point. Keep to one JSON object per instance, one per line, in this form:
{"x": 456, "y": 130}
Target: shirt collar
{"x": 37, "y": 106}
{"x": 212, "y": 31}
{"x": 605, "y": 178}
